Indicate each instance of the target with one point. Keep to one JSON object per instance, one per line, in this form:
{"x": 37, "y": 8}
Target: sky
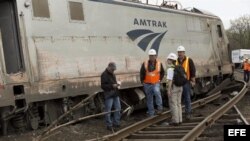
{"x": 226, "y": 9}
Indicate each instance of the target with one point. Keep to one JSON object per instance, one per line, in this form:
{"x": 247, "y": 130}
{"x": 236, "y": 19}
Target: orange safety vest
{"x": 185, "y": 65}
{"x": 154, "y": 76}
{"x": 245, "y": 66}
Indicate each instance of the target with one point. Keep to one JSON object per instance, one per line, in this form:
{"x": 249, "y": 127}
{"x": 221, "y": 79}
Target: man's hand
{"x": 115, "y": 85}
{"x": 192, "y": 83}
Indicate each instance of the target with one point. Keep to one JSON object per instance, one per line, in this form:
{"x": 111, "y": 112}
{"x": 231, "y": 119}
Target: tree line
{"x": 239, "y": 33}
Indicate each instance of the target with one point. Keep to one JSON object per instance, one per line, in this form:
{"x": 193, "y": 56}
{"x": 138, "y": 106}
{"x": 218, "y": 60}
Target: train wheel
{"x": 19, "y": 122}
{"x": 33, "y": 118}
{"x": 99, "y": 103}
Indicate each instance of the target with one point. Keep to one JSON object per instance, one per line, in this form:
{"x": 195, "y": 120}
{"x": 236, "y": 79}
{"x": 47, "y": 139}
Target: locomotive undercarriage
{"x": 36, "y": 115}
{"x": 40, "y": 114}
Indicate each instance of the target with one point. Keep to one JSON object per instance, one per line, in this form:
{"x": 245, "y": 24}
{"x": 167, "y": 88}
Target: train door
{"x": 13, "y": 57}
{"x": 215, "y": 40}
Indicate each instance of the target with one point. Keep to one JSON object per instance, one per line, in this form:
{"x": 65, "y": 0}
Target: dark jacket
{"x": 151, "y": 68}
{"x": 107, "y": 80}
{"x": 191, "y": 66}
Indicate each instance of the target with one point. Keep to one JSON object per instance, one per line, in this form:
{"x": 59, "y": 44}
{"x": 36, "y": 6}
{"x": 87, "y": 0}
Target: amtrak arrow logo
{"x": 149, "y": 36}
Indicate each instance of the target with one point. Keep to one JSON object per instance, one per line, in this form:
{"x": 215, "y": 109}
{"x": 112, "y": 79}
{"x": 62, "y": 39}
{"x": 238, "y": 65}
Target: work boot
{"x": 110, "y": 128}
{"x": 117, "y": 126}
{"x": 159, "y": 112}
{"x": 173, "y": 123}
{"x": 188, "y": 116}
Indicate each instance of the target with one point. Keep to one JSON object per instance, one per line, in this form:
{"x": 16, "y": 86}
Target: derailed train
{"x": 52, "y": 52}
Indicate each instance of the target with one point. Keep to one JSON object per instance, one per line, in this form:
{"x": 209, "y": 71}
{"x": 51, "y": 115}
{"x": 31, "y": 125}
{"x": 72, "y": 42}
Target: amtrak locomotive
{"x": 52, "y": 53}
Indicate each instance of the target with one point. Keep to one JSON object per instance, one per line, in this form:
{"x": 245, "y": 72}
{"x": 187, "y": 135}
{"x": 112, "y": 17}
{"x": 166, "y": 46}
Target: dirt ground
{"x": 244, "y": 104}
{"x": 92, "y": 129}
{"x": 85, "y": 130}
{"x": 96, "y": 128}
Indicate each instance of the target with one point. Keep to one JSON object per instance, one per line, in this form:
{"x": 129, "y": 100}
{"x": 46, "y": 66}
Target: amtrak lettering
{"x": 153, "y": 23}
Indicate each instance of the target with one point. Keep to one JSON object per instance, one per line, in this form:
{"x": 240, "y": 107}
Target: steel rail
{"x": 123, "y": 133}
{"x": 209, "y": 120}
{"x": 241, "y": 115}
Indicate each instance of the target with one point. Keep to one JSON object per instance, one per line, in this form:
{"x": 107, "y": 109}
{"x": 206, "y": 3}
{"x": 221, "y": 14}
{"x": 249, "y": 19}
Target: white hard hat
{"x": 181, "y": 48}
{"x": 151, "y": 52}
{"x": 172, "y": 56}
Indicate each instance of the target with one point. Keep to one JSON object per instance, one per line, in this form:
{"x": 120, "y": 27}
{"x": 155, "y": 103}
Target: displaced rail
{"x": 152, "y": 128}
{"x": 215, "y": 132}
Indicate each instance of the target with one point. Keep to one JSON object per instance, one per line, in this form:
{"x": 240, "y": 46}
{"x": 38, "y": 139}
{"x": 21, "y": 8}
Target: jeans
{"x": 186, "y": 94}
{"x": 246, "y": 76}
{"x": 152, "y": 90}
{"x": 109, "y": 102}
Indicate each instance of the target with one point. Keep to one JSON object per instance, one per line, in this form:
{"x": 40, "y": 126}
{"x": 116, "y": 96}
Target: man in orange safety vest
{"x": 151, "y": 73}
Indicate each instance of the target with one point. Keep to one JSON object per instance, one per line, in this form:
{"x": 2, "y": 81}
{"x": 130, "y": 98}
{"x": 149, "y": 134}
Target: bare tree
{"x": 239, "y": 32}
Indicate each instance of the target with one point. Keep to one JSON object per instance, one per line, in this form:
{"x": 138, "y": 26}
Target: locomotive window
{"x": 76, "y": 11}
{"x": 219, "y": 30}
{"x": 41, "y": 8}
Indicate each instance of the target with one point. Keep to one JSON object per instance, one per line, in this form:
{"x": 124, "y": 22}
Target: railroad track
{"x": 153, "y": 128}
{"x": 215, "y": 132}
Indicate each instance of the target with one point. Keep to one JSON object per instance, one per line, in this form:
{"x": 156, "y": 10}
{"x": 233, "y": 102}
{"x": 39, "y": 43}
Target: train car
{"x": 52, "y": 52}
